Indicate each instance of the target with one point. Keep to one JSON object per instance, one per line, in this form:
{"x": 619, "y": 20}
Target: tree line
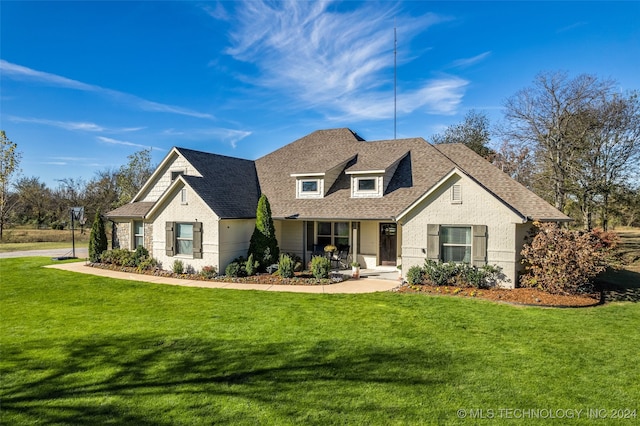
{"x": 29, "y": 201}
{"x": 575, "y": 141}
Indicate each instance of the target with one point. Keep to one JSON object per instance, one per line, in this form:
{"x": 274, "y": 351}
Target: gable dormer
{"x": 317, "y": 184}
{"x": 371, "y": 175}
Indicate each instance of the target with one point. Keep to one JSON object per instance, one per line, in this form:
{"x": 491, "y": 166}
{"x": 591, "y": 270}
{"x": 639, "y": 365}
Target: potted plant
{"x": 355, "y": 270}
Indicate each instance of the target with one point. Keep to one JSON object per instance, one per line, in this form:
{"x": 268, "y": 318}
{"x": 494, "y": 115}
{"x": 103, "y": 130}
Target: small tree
{"x": 97, "y": 239}
{"x": 264, "y": 245}
{"x": 9, "y": 160}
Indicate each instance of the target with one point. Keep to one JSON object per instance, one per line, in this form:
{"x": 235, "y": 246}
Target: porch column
{"x": 355, "y": 239}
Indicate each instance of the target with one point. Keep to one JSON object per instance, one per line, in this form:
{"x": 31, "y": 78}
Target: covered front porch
{"x": 371, "y": 243}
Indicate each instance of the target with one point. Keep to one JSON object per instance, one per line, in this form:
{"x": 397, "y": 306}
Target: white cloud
{"x": 73, "y": 125}
{"x": 230, "y": 136}
{"x": 112, "y": 141}
{"x": 23, "y": 73}
{"x": 322, "y": 58}
{"x": 467, "y": 62}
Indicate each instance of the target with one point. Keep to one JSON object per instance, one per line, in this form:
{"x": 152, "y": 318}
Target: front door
{"x": 388, "y": 243}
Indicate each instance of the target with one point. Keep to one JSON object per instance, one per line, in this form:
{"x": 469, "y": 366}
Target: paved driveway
{"x": 81, "y": 253}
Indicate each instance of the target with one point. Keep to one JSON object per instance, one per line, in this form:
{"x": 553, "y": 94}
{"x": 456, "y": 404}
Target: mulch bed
{"x": 520, "y": 296}
{"x": 301, "y": 278}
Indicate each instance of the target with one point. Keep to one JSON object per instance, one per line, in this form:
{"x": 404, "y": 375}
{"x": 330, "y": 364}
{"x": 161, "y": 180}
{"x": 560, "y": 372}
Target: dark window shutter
{"x": 433, "y": 242}
{"x": 479, "y": 245}
{"x": 170, "y": 238}
{"x": 197, "y": 240}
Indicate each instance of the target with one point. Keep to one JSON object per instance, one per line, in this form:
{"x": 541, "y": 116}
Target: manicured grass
{"x": 48, "y": 245}
{"x": 80, "y": 349}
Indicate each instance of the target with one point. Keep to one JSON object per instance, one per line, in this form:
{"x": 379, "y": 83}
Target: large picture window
{"x": 336, "y": 233}
{"x": 455, "y": 244}
{"x": 184, "y": 238}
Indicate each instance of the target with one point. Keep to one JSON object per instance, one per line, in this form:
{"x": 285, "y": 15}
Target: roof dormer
{"x": 309, "y": 185}
{"x": 371, "y": 174}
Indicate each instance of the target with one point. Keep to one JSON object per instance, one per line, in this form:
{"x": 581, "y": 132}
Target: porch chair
{"x": 341, "y": 257}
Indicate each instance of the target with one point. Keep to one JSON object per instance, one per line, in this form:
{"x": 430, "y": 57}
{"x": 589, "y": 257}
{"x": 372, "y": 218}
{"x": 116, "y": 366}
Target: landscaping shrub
{"x": 298, "y": 266}
{"x": 251, "y": 266}
{"x": 178, "y": 267}
{"x": 209, "y": 272}
{"x": 147, "y": 263}
{"x": 237, "y": 268}
{"x": 97, "y": 239}
{"x": 485, "y": 276}
{"x": 285, "y": 266}
{"x": 120, "y": 257}
{"x": 263, "y": 244}
{"x": 320, "y": 267}
{"x": 415, "y": 275}
{"x": 562, "y": 261}
{"x": 140, "y": 255}
{"x": 440, "y": 273}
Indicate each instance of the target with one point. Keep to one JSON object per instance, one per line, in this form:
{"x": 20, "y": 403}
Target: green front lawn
{"x": 88, "y": 350}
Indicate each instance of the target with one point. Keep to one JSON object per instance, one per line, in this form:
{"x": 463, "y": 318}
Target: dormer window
{"x": 309, "y": 185}
{"x": 366, "y": 184}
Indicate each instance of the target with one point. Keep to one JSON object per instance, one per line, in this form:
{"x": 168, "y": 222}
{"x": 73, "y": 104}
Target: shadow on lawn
{"x": 149, "y": 381}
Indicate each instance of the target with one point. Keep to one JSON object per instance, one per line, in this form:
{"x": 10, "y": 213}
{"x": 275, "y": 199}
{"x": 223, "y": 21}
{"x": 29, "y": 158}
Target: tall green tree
{"x": 473, "y": 132}
{"x": 9, "y": 161}
{"x": 35, "y": 200}
{"x": 97, "y": 239}
{"x": 264, "y": 245}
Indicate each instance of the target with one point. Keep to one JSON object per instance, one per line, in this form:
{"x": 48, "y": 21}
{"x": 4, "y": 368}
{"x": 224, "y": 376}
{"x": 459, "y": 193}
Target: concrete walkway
{"x": 363, "y": 285}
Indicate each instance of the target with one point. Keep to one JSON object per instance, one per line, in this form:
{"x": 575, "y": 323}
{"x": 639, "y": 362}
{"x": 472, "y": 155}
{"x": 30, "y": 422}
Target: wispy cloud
{"x": 73, "y": 125}
{"x": 320, "y": 57}
{"x": 20, "y": 72}
{"x": 571, "y": 27}
{"x": 467, "y": 62}
{"x": 112, "y": 141}
{"x": 230, "y": 136}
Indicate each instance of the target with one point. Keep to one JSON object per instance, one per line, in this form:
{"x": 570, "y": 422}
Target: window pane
{"x": 138, "y": 241}
{"x": 458, "y": 254}
{"x": 185, "y": 247}
{"x": 341, "y": 229}
{"x": 366, "y": 184}
{"x": 324, "y": 228}
{"x": 310, "y": 186}
{"x": 137, "y": 228}
{"x": 184, "y": 230}
{"x": 456, "y": 235}
{"x": 341, "y": 241}
{"x": 324, "y": 241}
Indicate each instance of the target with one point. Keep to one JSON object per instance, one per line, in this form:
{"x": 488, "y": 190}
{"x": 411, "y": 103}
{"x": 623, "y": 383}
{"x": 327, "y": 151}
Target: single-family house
{"x": 390, "y": 202}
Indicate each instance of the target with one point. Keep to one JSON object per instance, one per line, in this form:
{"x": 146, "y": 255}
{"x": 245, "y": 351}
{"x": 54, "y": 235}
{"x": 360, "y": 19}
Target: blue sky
{"x": 85, "y": 84}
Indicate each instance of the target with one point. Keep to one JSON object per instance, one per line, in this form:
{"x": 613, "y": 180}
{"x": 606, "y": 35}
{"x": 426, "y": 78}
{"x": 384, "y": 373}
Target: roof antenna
{"x": 395, "y": 79}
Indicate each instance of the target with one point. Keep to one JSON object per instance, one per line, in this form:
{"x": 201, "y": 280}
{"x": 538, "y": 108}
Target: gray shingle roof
{"x": 510, "y": 191}
{"x": 231, "y": 186}
{"x": 416, "y": 173}
{"x": 228, "y": 185}
{"x": 131, "y": 210}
